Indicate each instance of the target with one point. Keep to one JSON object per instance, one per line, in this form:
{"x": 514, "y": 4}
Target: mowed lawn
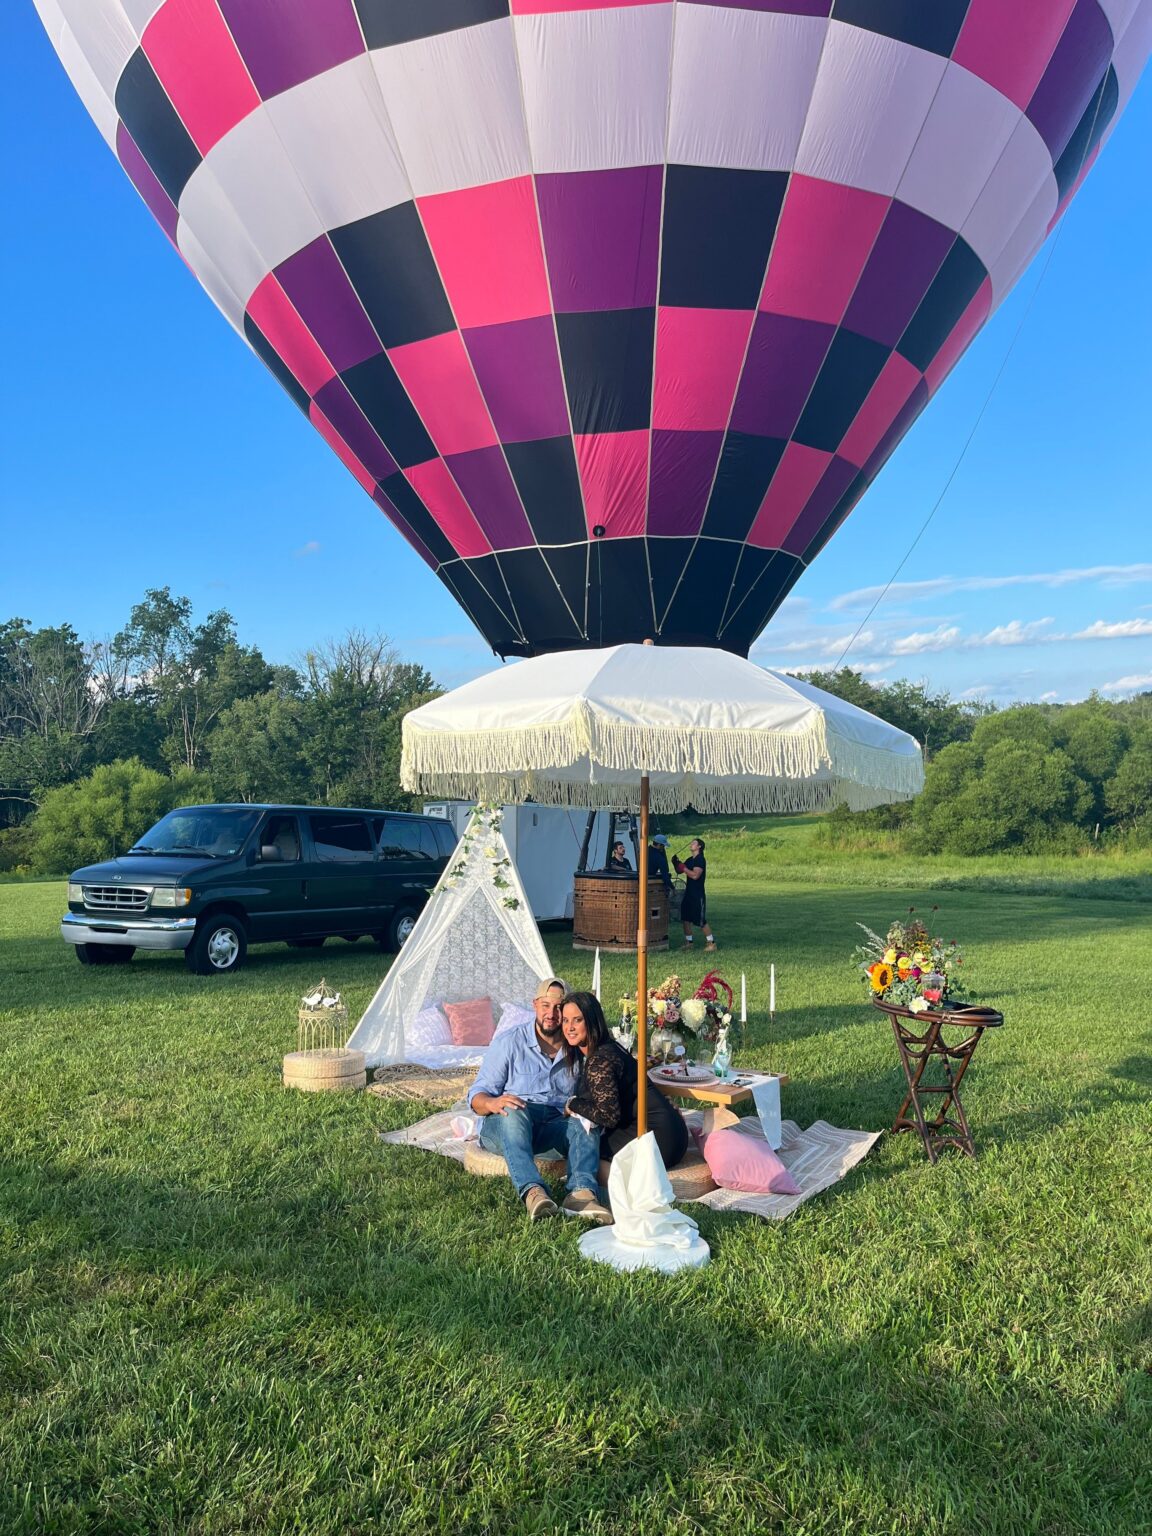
{"x": 227, "y": 1307}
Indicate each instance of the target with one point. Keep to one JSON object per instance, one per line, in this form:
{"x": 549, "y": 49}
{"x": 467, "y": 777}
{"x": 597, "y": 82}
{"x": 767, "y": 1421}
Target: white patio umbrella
{"x": 661, "y": 728}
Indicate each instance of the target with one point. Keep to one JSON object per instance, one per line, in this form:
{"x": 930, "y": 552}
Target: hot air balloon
{"x": 606, "y": 304}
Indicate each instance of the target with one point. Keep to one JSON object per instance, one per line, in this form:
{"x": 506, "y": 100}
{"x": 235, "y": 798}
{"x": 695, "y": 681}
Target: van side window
{"x": 339, "y": 838}
{"x": 283, "y": 833}
{"x": 446, "y": 838}
{"x": 402, "y": 839}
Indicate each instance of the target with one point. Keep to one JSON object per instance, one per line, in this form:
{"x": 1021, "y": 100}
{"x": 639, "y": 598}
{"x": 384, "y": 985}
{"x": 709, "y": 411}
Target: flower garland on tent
{"x": 487, "y": 819}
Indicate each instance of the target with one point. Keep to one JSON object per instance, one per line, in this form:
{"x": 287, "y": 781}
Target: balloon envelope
{"x": 614, "y": 309}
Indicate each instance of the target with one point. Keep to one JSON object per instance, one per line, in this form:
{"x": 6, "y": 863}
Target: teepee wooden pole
{"x": 642, "y": 967}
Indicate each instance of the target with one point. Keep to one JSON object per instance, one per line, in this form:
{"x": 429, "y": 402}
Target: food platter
{"x": 691, "y": 1074}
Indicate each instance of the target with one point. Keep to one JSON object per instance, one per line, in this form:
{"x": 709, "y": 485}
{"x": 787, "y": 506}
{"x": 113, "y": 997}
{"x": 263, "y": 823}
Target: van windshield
{"x": 213, "y": 831}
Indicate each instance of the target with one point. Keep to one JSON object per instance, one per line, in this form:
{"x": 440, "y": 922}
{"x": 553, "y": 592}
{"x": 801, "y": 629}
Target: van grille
{"x": 117, "y": 898}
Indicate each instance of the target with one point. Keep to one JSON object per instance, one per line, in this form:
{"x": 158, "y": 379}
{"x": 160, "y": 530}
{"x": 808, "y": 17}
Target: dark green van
{"x": 212, "y": 879}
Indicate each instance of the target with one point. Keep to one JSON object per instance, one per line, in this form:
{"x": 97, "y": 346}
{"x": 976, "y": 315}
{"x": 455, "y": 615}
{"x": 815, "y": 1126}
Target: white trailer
{"x": 545, "y": 842}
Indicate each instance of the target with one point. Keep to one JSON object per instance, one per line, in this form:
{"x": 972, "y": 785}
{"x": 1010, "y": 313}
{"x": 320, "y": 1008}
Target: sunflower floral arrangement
{"x": 909, "y": 966}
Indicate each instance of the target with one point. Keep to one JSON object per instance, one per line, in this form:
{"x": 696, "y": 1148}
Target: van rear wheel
{"x": 400, "y": 929}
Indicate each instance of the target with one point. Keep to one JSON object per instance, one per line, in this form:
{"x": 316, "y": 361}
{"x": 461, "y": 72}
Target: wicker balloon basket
{"x": 605, "y": 910}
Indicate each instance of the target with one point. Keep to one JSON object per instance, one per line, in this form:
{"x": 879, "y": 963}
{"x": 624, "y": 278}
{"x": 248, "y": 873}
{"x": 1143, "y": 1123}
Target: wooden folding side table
{"x": 921, "y": 1040}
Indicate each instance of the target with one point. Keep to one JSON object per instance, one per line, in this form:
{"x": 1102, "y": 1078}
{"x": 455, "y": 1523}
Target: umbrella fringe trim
{"x": 767, "y": 770}
{"x": 770, "y": 798}
{"x": 619, "y": 745}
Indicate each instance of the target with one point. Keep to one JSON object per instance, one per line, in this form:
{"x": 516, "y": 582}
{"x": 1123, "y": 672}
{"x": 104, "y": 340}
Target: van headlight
{"x": 167, "y": 896}
{"x": 75, "y": 892}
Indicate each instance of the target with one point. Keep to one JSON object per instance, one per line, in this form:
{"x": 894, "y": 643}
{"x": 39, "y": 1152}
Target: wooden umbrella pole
{"x": 642, "y": 967}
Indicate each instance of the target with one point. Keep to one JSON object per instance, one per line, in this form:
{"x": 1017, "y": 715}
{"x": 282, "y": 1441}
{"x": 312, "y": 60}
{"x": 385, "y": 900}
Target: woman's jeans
{"x": 520, "y": 1134}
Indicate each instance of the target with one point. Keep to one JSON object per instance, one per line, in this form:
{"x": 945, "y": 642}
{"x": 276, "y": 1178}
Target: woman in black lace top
{"x": 606, "y": 1084}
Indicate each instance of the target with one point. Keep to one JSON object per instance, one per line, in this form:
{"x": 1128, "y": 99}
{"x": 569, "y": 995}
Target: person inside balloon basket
{"x": 658, "y": 862}
{"x": 694, "y": 906}
{"x": 608, "y": 1083}
{"x": 521, "y": 1089}
{"x": 618, "y": 860}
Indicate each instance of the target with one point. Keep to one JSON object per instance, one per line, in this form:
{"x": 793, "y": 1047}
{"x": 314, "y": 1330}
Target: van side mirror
{"x": 270, "y": 854}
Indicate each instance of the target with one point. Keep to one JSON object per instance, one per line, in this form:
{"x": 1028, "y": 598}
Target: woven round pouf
{"x": 329, "y": 1071}
{"x": 690, "y": 1178}
{"x": 490, "y": 1165}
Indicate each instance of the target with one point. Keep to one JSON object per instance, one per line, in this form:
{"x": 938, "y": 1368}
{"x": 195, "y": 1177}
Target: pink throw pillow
{"x": 746, "y": 1163}
{"x": 471, "y": 1022}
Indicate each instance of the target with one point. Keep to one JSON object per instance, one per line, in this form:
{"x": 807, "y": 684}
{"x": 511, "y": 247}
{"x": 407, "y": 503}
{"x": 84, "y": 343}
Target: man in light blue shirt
{"x": 521, "y": 1090}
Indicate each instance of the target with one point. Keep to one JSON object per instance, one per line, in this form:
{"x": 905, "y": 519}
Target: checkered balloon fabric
{"x": 614, "y": 309}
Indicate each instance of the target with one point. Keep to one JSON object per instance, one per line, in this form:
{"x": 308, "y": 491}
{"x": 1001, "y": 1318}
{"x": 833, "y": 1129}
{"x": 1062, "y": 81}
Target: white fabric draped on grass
{"x": 710, "y": 729}
{"x": 475, "y": 938}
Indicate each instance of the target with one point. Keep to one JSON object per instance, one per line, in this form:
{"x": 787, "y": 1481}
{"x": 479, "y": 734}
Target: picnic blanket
{"x": 816, "y": 1158}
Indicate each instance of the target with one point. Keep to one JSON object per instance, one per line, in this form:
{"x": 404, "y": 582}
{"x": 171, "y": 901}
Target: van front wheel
{"x": 104, "y": 954}
{"x": 219, "y": 946}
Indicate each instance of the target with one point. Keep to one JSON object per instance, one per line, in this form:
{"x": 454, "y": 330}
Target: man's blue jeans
{"x": 520, "y": 1134}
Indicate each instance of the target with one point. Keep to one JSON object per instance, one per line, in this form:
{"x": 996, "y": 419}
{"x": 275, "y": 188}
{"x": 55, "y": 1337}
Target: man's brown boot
{"x": 583, "y": 1203}
{"x": 539, "y": 1204}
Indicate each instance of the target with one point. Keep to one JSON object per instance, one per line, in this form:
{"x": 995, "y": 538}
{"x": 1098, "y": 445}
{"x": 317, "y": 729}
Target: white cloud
{"x": 945, "y": 637}
{"x": 912, "y": 591}
{"x": 866, "y": 669}
{"x": 311, "y": 548}
{"x": 950, "y": 637}
{"x": 1137, "y": 683}
{"x": 1016, "y": 633}
{"x": 1124, "y": 629}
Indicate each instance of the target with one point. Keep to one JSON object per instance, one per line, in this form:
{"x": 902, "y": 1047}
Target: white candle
{"x": 743, "y": 1000}
{"x": 772, "y": 990}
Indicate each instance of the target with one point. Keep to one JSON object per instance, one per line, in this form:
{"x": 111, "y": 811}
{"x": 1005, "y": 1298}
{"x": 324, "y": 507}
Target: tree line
{"x": 96, "y": 735}
{"x": 1031, "y": 778}
{"x": 99, "y": 738}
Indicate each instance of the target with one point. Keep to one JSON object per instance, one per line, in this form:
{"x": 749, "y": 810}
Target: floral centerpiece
{"x": 697, "y": 1020}
{"x": 707, "y": 1013}
{"x": 910, "y": 967}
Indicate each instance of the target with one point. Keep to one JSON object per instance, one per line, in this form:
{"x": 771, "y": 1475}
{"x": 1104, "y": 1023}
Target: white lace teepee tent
{"x": 475, "y": 938}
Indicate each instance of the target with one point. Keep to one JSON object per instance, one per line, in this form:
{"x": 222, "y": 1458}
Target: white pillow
{"x": 513, "y": 1014}
{"x": 429, "y": 1028}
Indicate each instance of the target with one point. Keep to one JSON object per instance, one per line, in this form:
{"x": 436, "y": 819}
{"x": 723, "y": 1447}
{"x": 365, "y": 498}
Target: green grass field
{"x": 226, "y": 1307}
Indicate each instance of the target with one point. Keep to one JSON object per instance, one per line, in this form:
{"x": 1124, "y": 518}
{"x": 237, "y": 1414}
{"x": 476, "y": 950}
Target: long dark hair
{"x": 594, "y": 1021}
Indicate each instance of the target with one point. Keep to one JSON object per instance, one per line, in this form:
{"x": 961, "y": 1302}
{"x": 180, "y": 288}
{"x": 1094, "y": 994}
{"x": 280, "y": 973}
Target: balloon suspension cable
{"x": 987, "y": 402}
{"x": 908, "y": 553}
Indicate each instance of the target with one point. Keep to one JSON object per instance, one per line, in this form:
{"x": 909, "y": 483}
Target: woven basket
{"x": 326, "y": 1084}
{"x": 690, "y": 1178}
{"x": 321, "y": 1071}
{"x": 490, "y": 1165}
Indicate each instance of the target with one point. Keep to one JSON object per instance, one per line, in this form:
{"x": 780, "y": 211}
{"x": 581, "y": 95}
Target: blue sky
{"x": 143, "y": 445}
